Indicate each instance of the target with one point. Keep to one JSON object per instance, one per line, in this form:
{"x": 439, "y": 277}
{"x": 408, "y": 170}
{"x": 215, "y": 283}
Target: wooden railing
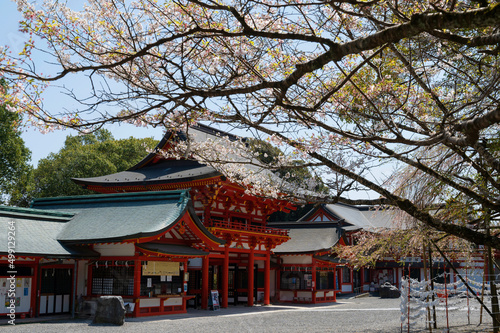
{"x": 246, "y": 227}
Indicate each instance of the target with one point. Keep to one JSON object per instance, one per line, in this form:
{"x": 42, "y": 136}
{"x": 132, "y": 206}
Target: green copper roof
{"x": 35, "y": 214}
{"x": 35, "y": 232}
{"x": 115, "y": 217}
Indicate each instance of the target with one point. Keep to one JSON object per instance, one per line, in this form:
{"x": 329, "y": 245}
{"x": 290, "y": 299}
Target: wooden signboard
{"x": 160, "y": 268}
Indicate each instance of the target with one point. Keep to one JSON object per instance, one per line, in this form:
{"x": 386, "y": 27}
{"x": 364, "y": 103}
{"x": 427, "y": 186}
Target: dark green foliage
{"x": 14, "y": 156}
{"x": 82, "y": 156}
{"x": 298, "y": 174}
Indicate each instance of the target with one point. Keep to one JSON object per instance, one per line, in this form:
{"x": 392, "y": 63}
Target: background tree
{"x": 14, "y": 156}
{"x": 269, "y": 154}
{"x": 345, "y": 86}
{"x": 89, "y": 155}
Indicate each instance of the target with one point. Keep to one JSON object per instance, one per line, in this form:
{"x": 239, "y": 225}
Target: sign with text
{"x": 213, "y": 301}
{"x": 160, "y": 268}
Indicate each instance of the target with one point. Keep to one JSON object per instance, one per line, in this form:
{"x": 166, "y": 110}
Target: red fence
{"x": 246, "y": 227}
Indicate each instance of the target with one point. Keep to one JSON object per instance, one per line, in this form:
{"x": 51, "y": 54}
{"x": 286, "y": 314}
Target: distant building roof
{"x": 154, "y": 170}
{"x": 156, "y": 173}
{"x": 36, "y": 233}
{"x": 364, "y": 217}
{"x": 162, "y": 172}
{"x": 310, "y": 239}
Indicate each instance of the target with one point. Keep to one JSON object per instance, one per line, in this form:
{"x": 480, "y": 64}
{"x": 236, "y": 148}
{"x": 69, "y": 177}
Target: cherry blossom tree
{"x": 345, "y": 86}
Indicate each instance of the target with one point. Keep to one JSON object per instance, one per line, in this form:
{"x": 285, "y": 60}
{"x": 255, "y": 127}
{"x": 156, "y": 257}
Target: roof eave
{"x": 88, "y": 182}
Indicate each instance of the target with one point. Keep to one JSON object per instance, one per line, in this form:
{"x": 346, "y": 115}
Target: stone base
{"x": 110, "y": 310}
{"x": 389, "y": 291}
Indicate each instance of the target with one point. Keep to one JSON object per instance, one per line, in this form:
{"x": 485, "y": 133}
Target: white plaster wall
{"x": 111, "y": 250}
{"x": 243, "y": 246}
{"x": 173, "y": 301}
{"x": 24, "y": 260}
{"x": 286, "y": 295}
{"x": 346, "y": 288}
{"x": 297, "y": 259}
{"x": 81, "y": 284}
{"x": 198, "y": 205}
{"x": 195, "y": 263}
{"x": 147, "y": 302}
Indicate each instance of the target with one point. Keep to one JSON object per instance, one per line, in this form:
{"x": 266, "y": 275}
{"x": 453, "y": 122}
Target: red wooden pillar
{"x": 225, "y": 277}
{"x": 314, "y": 287}
{"x": 204, "y": 282}
{"x": 335, "y": 284}
{"x": 89, "y": 279}
{"x": 184, "y": 277}
{"x": 251, "y": 260}
{"x": 75, "y": 288}
{"x": 137, "y": 285}
{"x": 137, "y": 278}
{"x": 267, "y": 278}
{"x": 351, "y": 272}
{"x": 34, "y": 289}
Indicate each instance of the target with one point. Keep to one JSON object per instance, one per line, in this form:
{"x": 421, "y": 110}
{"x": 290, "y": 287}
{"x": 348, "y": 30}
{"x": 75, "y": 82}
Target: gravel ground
{"x": 363, "y": 314}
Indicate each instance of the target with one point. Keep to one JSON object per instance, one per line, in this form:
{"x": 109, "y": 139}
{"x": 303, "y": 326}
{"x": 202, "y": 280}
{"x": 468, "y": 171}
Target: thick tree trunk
{"x": 492, "y": 280}
{"x": 427, "y": 276}
{"x": 432, "y": 287}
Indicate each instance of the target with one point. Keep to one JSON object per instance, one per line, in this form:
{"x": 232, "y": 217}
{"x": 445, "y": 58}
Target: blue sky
{"x": 43, "y": 144}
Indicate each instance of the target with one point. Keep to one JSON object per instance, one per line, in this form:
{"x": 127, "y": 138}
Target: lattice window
{"x": 325, "y": 280}
{"x": 113, "y": 278}
{"x": 346, "y": 275}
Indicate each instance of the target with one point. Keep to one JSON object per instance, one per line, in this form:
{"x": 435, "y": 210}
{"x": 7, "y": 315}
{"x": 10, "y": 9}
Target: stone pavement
{"x": 364, "y": 314}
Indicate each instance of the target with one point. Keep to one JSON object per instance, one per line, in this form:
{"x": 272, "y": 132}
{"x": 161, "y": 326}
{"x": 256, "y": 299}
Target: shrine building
{"x": 168, "y": 234}
{"x": 165, "y": 234}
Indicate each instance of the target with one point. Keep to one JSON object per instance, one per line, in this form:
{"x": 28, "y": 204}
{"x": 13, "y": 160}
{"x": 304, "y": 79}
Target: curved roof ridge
{"x": 181, "y": 135}
{"x": 34, "y": 213}
{"x": 107, "y": 198}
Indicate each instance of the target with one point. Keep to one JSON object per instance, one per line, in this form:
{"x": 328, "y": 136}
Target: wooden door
{"x": 55, "y": 290}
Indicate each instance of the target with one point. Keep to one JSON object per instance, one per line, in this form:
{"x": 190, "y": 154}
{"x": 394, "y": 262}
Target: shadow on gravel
{"x": 191, "y": 313}
{"x": 235, "y": 310}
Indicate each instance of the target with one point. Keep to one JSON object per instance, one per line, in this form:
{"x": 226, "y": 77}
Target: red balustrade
{"x": 246, "y": 227}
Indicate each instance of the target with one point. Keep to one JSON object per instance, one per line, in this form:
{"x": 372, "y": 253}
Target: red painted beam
{"x": 204, "y": 283}
{"x": 250, "y": 277}
{"x": 267, "y": 278}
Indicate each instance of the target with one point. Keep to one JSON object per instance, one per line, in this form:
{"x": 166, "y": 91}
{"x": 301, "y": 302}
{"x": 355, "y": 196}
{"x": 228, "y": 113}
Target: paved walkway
{"x": 365, "y": 314}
